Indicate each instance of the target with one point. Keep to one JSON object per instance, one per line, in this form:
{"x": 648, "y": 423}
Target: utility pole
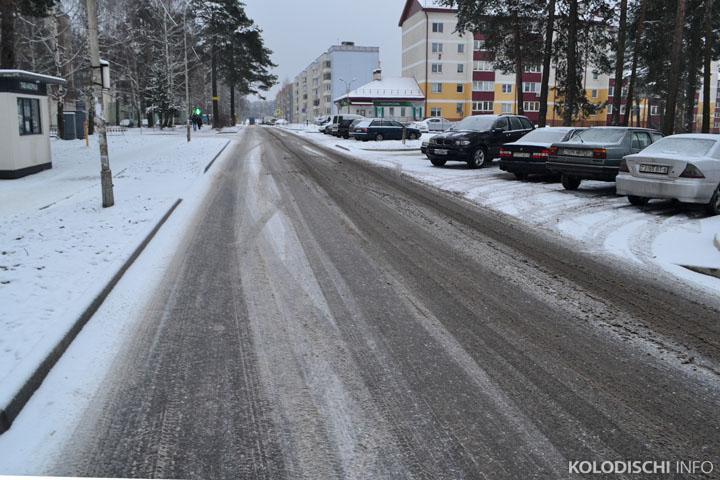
{"x": 187, "y": 77}
{"x": 108, "y": 199}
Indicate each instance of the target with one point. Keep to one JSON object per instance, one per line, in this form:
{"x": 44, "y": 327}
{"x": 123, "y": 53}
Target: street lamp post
{"x": 347, "y": 90}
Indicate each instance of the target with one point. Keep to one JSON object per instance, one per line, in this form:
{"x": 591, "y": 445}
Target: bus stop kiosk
{"x": 25, "y": 126}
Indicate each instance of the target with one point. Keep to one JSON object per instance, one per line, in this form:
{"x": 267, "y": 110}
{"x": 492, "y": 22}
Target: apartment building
{"x": 457, "y": 77}
{"x": 335, "y": 72}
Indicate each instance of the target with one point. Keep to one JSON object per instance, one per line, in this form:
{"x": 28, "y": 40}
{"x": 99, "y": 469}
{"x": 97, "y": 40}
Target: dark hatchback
{"x": 529, "y": 154}
{"x": 380, "y": 129}
{"x": 477, "y": 139}
{"x": 595, "y": 153}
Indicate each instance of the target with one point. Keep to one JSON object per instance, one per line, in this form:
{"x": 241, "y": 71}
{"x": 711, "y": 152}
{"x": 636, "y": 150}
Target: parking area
{"x": 662, "y": 234}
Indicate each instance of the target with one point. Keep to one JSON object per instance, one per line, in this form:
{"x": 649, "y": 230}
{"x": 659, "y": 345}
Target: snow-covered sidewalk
{"x": 59, "y": 247}
{"x": 660, "y": 235}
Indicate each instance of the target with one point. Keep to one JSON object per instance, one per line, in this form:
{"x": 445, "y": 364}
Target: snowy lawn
{"x": 59, "y": 247}
{"x": 661, "y": 234}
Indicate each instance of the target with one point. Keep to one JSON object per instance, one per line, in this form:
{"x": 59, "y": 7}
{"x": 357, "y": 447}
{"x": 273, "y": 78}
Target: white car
{"x": 433, "y": 124}
{"x": 683, "y": 167}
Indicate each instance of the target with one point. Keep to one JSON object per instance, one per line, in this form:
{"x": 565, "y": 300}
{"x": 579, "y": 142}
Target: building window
{"x": 437, "y": 27}
{"x": 654, "y": 110}
{"x": 482, "y": 66}
{"x": 460, "y": 68}
{"x": 436, "y": 112}
{"x": 479, "y": 45}
{"x": 459, "y": 108}
{"x": 622, "y": 109}
{"x": 609, "y": 109}
{"x": 531, "y": 106}
{"x": 437, "y": 88}
{"x": 481, "y": 86}
{"x": 594, "y": 93}
{"x": 327, "y": 76}
{"x": 28, "y": 116}
{"x": 532, "y": 69}
{"x": 507, "y": 88}
{"x": 483, "y": 106}
{"x": 437, "y": 68}
{"x": 460, "y": 88}
{"x": 437, "y": 47}
{"x": 328, "y": 87}
{"x": 461, "y": 48}
{"x": 595, "y": 75}
{"x": 506, "y": 108}
{"x": 327, "y": 64}
{"x": 531, "y": 87}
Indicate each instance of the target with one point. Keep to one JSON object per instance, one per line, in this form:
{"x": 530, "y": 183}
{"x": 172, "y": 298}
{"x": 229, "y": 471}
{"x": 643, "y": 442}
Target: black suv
{"x": 477, "y": 139}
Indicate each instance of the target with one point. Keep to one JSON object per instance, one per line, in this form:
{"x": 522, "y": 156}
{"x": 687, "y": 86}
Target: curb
{"x": 216, "y": 157}
{"x": 10, "y": 412}
{"x": 717, "y": 241}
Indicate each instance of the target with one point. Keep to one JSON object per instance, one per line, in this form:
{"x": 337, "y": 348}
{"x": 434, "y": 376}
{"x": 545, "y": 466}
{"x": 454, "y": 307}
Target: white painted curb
{"x": 717, "y": 241}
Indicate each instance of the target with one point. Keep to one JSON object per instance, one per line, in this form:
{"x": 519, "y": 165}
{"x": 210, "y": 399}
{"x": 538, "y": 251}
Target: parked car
{"x": 324, "y": 127}
{"x": 127, "y": 123}
{"x": 343, "y": 124}
{"x": 331, "y": 125}
{"x": 595, "y": 153}
{"x": 380, "y": 129}
{"x": 477, "y": 139}
{"x": 322, "y": 119}
{"x": 683, "y": 167}
{"x": 529, "y": 154}
{"x": 433, "y": 124}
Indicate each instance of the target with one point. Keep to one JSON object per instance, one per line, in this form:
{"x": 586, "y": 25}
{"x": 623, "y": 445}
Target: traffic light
{"x": 197, "y": 111}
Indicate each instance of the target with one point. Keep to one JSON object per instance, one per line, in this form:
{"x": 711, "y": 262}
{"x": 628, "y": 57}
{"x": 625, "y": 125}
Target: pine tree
{"x": 8, "y": 10}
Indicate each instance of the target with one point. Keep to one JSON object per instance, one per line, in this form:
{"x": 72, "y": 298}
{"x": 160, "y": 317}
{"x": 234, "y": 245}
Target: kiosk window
{"x": 28, "y": 116}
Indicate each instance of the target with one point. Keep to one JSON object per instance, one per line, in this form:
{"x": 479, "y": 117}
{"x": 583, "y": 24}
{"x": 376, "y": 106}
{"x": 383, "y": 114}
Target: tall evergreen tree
{"x": 8, "y": 10}
{"x": 512, "y": 31}
{"x": 675, "y": 59}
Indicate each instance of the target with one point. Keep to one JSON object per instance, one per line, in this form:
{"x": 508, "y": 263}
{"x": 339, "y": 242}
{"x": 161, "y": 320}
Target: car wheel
{"x": 379, "y": 137}
{"x": 570, "y": 182}
{"x": 521, "y": 175}
{"x": 438, "y": 162}
{"x": 412, "y": 136}
{"x": 713, "y": 208}
{"x": 637, "y": 201}
{"x": 478, "y": 158}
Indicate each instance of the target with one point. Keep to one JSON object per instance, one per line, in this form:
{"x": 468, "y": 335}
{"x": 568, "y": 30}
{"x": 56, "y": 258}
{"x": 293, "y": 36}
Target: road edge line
{"x": 216, "y": 157}
{"x": 9, "y": 413}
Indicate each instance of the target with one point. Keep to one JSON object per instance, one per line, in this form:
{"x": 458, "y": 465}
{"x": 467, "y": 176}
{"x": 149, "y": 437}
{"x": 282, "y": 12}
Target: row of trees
{"x": 658, "y": 49}
{"x": 159, "y": 52}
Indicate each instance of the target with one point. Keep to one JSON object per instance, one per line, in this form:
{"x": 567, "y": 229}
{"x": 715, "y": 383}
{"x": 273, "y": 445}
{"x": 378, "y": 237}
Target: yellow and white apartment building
{"x": 457, "y": 77}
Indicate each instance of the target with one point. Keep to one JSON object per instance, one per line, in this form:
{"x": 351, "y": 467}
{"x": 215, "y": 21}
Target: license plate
{"x": 440, "y": 151}
{"x": 521, "y": 154}
{"x": 661, "y": 169}
{"x": 576, "y": 152}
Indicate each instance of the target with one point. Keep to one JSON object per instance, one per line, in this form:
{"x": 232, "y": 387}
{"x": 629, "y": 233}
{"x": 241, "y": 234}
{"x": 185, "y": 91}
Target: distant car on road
{"x": 433, "y": 124}
{"x": 595, "y": 153}
{"x": 529, "y": 154}
{"x": 683, "y": 167}
{"x": 380, "y": 129}
{"x": 477, "y": 139}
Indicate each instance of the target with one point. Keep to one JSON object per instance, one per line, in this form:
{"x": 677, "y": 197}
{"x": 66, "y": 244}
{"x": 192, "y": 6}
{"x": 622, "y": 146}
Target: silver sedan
{"x": 682, "y": 167}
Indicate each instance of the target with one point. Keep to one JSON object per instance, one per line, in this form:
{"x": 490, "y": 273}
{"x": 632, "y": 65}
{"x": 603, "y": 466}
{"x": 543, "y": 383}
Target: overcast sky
{"x": 299, "y": 31}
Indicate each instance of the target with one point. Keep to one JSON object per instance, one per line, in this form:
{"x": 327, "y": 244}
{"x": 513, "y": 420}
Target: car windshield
{"x": 688, "y": 147}
{"x": 544, "y": 135}
{"x": 599, "y": 135}
{"x": 479, "y": 123}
